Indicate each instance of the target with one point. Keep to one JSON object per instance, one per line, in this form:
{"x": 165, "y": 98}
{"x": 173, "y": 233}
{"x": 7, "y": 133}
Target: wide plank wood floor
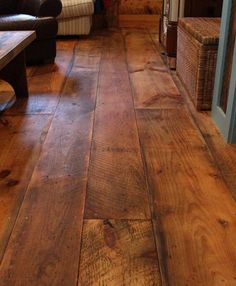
{"x": 108, "y": 176}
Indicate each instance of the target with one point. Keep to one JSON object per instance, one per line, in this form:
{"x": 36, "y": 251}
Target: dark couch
{"x": 38, "y": 15}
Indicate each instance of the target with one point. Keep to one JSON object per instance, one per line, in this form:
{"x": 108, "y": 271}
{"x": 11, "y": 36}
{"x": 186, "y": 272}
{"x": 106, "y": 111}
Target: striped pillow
{"x": 6, "y": 6}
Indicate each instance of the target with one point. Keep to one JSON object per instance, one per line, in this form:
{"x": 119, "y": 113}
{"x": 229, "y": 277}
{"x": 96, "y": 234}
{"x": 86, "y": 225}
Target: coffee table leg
{"x": 15, "y": 74}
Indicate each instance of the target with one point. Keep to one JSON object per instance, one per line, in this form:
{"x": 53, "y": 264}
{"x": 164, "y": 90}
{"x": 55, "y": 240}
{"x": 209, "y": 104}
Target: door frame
{"x": 225, "y": 121}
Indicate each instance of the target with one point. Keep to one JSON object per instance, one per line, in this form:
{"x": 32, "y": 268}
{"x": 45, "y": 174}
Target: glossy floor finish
{"x": 109, "y": 177}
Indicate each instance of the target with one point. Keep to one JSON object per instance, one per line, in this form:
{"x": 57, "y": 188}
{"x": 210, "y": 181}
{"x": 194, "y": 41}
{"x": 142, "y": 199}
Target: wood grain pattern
{"x": 13, "y": 43}
{"x": 155, "y": 89}
{"x": 12, "y": 59}
{"x": 48, "y": 228}
{"x": 140, "y": 7}
{"x": 118, "y": 253}
{"x": 46, "y": 82}
{"x": 140, "y": 52}
{"x": 113, "y": 58}
{"x": 224, "y": 154}
{"x": 152, "y": 84}
{"x": 152, "y": 189}
{"x": 140, "y": 20}
{"x": 154, "y": 35}
{"x": 21, "y": 140}
{"x": 116, "y": 184}
{"x": 193, "y": 209}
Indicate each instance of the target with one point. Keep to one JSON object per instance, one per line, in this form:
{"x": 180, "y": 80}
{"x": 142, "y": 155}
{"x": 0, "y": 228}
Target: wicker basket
{"x": 196, "y": 58}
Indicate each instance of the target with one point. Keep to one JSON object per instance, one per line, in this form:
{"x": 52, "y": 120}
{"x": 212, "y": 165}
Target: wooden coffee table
{"x": 12, "y": 60}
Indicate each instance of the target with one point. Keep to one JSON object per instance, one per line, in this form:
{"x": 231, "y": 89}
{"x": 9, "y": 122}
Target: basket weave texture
{"x": 196, "y": 58}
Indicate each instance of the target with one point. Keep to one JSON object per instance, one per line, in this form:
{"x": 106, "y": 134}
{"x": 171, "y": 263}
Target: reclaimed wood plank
{"x": 155, "y": 39}
{"x": 116, "y": 183}
{"x": 140, "y": 52}
{"x": 13, "y": 43}
{"x": 118, "y": 252}
{"x": 223, "y": 153}
{"x": 113, "y": 58}
{"x": 12, "y": 59}
{"x": 155, "y": 89}
{"x": 153, "y": 31}
{"x": 49, "y": 225}
{"x": 194, "y": 212}
{"x": 145, "y": 20}
{"x": 21, "y": 140}
{"x": 46, "y": 82}
{"x": 152, "y": 83}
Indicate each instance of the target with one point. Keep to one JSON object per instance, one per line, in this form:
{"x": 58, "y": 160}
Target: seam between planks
{"x": 157, "y": 51}
{"x": 139, "y": 142}
{"x": 189, "y": 106}
{"x": 52, "y": 117}
{"x": 164, "y": 277}
{"x": 88, "y": 168}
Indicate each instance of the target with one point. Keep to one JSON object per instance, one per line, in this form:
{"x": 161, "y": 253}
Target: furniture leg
{"x": 15, "y": 74}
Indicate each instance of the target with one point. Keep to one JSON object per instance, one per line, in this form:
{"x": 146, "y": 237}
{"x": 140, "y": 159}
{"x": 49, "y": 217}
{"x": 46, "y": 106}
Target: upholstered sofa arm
{"x": 40, "y": 8}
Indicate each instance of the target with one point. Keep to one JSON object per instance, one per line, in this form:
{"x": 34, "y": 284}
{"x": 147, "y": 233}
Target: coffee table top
{"x": 12, "y": 43}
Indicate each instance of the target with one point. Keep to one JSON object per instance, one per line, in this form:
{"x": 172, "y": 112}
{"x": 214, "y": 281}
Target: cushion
{"x": 75, "y": 26}
{"x": 205, "y": 30}
{"x": 76, "y": 8}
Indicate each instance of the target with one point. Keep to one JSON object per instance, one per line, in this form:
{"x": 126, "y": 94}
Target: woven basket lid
{"x": 205, "y": 30}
